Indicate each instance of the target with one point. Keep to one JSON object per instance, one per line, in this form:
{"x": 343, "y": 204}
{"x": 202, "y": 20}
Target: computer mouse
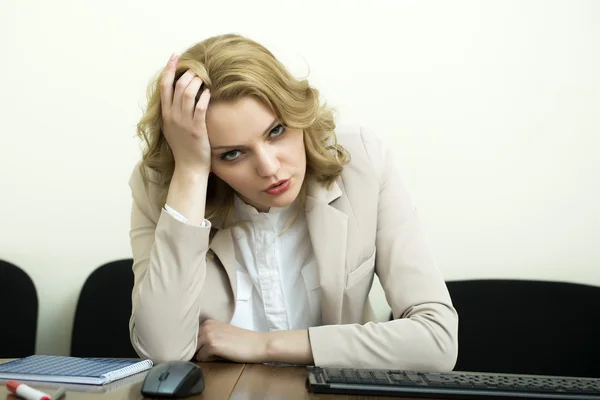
{"x": 173, "y": 379}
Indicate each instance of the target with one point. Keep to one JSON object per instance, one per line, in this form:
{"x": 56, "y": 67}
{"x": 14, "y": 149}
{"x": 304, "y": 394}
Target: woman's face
{"x": 263, "y": 161}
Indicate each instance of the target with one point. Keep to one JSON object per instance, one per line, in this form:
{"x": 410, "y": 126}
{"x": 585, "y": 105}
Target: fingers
{"x": 201, "y": 106}
{"x": 205, "y": 350}
{"x": 205, "y": 354}
{"x": 189, "y": 97}
{"x": 180, "y": 87}
{"x": 166, "y": 83}
{"x": 181, "y": 100}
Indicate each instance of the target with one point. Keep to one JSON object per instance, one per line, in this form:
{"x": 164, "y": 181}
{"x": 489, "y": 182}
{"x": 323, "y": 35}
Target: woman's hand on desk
{"x": 220, "y": 340}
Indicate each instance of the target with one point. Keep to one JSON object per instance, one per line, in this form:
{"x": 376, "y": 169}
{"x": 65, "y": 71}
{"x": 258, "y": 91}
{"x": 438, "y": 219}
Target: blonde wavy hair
{"x": 232, "y": 67}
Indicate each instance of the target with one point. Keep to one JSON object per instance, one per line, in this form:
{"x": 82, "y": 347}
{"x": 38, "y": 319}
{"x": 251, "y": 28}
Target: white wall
{"x": 490, "y": 107}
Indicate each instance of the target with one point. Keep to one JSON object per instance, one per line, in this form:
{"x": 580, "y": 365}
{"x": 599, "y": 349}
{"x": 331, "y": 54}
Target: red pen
{"x": 26, "y": 392}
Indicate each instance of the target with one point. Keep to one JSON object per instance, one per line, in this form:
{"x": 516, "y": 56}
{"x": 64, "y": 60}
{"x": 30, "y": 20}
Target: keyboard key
{"x": 402, "y": 379}
{"x": 380, "y": 376}
{"x": 350, "y": 376}
{"x": 334, "y": 375}
{"x": 416, "y": 378}
{"x": 365, "y": 375}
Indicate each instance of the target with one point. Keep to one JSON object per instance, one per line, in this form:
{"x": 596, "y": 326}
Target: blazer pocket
{"x": 362, "y": 271}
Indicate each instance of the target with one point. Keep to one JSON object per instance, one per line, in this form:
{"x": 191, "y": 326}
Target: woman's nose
{"x": 268, "y": 163}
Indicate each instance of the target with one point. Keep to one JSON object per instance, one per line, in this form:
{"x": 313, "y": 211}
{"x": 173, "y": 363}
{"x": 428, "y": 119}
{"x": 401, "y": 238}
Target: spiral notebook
{"x": 88, "y": 371}
{"x": 46, "y": 386}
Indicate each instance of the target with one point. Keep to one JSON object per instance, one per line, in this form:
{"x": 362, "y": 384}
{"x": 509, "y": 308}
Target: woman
{"x": 256, "y": 228}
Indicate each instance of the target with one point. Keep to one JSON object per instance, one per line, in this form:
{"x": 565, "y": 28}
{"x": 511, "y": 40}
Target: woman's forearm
{"x": 291, "y": 347}
{"x": 187, "y": 194}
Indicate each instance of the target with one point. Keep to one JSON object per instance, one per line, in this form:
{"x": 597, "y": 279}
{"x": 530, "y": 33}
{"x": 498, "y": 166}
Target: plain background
{"x": 490, "y": 108}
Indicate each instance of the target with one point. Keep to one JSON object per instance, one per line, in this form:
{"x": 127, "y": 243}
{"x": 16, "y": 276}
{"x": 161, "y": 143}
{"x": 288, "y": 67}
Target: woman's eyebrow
{"x": 271, "y": 126}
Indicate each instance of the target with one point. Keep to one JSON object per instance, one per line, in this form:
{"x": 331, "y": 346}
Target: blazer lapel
{"x": 222, "y": 246}
{"x": 327, "y": 228}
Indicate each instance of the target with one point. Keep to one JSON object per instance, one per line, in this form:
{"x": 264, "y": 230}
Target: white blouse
{"x": 277, "y": 278}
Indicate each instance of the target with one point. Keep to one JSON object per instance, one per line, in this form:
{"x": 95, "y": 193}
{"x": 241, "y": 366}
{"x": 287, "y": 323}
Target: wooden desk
{"x": 223, "y": 381}
{"x": 280, "y": 383}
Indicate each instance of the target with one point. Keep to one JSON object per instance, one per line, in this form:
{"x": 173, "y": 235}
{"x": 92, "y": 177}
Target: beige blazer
{"x": 365, "y": 224}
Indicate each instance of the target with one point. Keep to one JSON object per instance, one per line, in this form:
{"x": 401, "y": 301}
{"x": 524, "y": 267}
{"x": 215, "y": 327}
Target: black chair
{"x": 101, "y": 324}
{"x": 19, "y": 301}
{"x": 528, "y": 327}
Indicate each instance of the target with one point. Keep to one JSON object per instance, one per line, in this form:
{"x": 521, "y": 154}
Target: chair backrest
{"x": 528, "y": 327}
{"x": 101, "y": 324}
{"x": 19, "y": 301}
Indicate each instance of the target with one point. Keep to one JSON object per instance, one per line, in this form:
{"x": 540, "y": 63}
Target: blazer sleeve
{"x": 423, "y": 334}
{"x": 169, "y": 266}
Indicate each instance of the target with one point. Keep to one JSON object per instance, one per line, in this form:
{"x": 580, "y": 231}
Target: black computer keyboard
{"x": 463, "y": 385}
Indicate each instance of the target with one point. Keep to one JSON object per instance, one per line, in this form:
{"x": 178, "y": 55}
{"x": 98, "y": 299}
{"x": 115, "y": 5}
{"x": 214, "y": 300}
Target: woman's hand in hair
{"x": 184, "y": 120}
{"x": 184, "y": 128}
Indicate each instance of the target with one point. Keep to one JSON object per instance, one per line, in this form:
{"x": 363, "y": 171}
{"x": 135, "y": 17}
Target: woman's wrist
{"x": 291, "y": 346}
{"x": 187, "y": 193}
{"x": 190, "y": 174}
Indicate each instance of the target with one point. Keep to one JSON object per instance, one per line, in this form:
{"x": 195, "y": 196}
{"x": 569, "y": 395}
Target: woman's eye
{"x": 277, "y": 131}
{"x": 230, "y": 155}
